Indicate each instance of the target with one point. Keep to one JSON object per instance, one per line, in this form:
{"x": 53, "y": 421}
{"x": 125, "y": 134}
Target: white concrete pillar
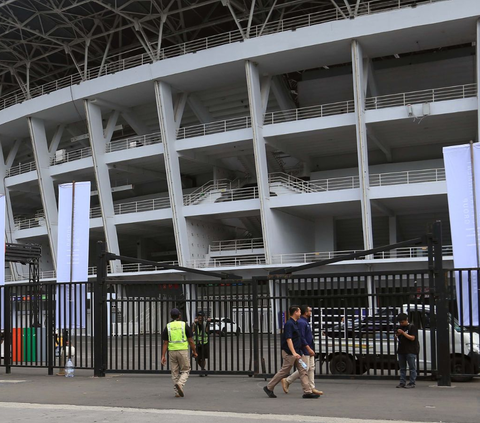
{"x": 47, "y": 190}
{"x": 99, "y": 137}
{"x": 258, "y": 91}
{"x": 16, "y": 269}
{"x": 359, "y": 87}
{"x": 169, "y": 121}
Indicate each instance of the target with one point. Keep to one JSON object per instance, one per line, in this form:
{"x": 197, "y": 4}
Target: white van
{"x": 358, "y": 355}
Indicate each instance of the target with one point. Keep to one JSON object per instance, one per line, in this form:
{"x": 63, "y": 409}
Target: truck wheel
{"x": 342, "y": 364}
{"x": 460, "y": 368}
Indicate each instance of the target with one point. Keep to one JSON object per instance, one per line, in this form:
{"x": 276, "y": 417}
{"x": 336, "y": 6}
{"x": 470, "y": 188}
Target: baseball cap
{"x": 175, "y": 312}
{"x": 200, "y": 313}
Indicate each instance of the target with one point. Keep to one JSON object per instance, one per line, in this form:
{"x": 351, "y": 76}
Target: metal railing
{"x": 235, "y": 245}
{"x": 227, "y": 195}
{"x": 95, "y": 212}
{"x": 253, "y": 260}
{"x": 214, "y": 127}
{"x": 406, "y": 252}
{"x": 196, "y": 196}
{"x": 288, "y": 24}
{"x": 423, "y": 96}
{"x": 310, "y": 112}
{"x": 70, "y": 156}
{"x": 142, "y": 206}
{"x": 134, "y": 142}
{"x": 21, "y": 168}
{"x": 296, "y": 185}
{"x": 29, "y": 223}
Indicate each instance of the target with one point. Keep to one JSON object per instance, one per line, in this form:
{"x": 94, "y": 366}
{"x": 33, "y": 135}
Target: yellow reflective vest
{"x": 177, "y": 338}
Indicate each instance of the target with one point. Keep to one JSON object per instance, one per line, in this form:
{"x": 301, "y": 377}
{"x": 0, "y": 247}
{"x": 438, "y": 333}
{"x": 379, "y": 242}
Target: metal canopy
{"x": 44, "y": 40}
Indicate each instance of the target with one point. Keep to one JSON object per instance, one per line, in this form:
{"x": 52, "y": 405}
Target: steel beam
{"x": 45, "y": 181}
{"x": 359, "y": 87}
{"x": 98, "y": 143}
{"x": 168, "y": 128}
{"x": 257, "y": 98}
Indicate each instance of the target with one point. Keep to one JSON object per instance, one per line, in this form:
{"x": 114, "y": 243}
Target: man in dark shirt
{"x": 292, "y": 344}
{"x": 308, "y": 352}
{"x": 407, "y": 350}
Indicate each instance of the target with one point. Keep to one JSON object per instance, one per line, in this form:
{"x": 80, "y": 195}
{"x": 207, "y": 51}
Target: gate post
{"x": 256, "y": 364}
{"x": 443, "y": 342}
{"x": 51, "y": 289}
{"x": 100, "y": 320}
{"x": 7, "y": 342}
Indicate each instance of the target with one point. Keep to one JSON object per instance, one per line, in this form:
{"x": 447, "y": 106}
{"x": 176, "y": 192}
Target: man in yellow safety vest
{"x": 176, "y": 338}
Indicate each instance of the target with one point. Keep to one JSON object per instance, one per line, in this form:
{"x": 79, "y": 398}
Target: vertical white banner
{"x": 2, "y": 255}
{"x": 72, "y": 256}
{"x": 458, "y": 170}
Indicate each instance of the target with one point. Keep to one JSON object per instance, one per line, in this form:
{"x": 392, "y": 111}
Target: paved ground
{"x": 29, "y": 394}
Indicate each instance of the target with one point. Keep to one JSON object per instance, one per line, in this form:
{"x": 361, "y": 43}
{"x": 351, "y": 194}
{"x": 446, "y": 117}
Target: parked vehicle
{"x": 346, "y": 355}
{"x": 224, "y": 326}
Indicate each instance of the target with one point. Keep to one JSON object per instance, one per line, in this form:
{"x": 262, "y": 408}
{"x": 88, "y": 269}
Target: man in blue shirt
{"x": 292, "y": 345}
{"x": 308, "y": 352}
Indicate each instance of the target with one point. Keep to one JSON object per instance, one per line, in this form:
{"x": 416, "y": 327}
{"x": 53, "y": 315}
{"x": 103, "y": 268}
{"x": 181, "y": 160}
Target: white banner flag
{"x": 458, "y": 170}
{"x": 72, "y": 253}
{"x": 72, "y": 266}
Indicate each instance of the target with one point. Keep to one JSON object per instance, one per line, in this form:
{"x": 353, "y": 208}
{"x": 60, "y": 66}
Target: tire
{"x": 342, "y": 364}
{"x": 459, "y": 367}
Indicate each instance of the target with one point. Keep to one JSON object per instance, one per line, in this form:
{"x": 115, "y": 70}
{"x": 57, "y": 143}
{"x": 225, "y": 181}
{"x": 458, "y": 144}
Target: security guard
{"x": 176, "y": 338}
{"x": 201, "y": 330}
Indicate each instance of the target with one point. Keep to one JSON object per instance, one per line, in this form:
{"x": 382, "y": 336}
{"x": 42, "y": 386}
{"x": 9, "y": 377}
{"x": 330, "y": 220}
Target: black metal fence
{"x": 117, "y": 327}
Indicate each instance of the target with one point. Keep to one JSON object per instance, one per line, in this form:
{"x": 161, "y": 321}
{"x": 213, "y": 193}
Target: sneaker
{"x": 410, "y": 386}
{"x": 179, "y": 390}
{"x": 269, "y": 393}
{"x": 316, "y": 392}
{"x": 285, "y": 385}
{"x": 401, "y": 385}
{"x": 177, "y": 395}
{"x": 311, "y": 395}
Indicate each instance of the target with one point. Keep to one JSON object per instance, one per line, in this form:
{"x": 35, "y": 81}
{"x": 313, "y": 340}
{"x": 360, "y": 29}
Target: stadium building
{"x": 235, "y": 134}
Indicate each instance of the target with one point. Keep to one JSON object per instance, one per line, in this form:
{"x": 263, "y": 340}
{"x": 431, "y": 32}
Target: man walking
{"x": 292, "y": 344}
{"x": 308, "y": 352}
{"x": 201, "y": 331}
{"x": 176, "y": 338}
{"x": 407, "y": 350}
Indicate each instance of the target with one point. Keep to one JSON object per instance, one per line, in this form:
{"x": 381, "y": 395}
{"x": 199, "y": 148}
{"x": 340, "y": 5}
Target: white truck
{"x": 357, "y": 355}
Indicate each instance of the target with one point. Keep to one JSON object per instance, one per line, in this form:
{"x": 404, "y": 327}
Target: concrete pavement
{"x": 150, "y": 396}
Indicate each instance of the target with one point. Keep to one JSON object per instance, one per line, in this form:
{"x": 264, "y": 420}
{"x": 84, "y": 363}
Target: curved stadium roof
{"x": 46, "y": 40}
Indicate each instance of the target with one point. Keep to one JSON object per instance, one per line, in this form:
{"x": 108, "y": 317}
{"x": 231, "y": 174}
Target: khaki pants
{"x": 310, "y": 362}
{"x": 180, "y": 366}
{"x": 288, "y": 362}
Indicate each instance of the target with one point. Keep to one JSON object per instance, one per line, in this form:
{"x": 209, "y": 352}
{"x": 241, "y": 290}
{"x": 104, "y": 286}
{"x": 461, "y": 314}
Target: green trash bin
{"x": 29, "y": 345}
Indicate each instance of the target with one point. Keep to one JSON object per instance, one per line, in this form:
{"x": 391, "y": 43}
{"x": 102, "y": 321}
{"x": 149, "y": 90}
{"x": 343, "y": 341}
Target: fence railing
{"x": 134, "y": 142}
{"x": 29, "y": 223}
{"x": 406, "y": 252}
{"x": 226, "y": 195}
{"x": 21, "y": 168}
{"x": 214, "y": 127}
{"x": 288, "y": 24}
{"x": 63, "y": 156}
{"x": 240, "y": 261}
{"x": 235, "y": 245}
{"x": 310, "y": 112}
{"x": 423, "y": 96}
{"x": 142, "y": 206}
{"x": 296, "y": 185}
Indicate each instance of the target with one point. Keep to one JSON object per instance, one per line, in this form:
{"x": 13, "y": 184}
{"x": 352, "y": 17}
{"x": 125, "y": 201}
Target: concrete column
{"x": 258, "y": 98}
{"x": 47, "y": 190}
{"x": 392, "y": 233}
{"x": 99, "y": 137}
{"x": 169, "y": 119}
{"x": 16, "y": 269}
{"x": 359, "y": 87}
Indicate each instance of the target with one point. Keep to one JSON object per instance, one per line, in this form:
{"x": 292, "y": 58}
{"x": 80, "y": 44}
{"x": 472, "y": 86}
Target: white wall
{"x": 292, "y": 234}
{"x": 324, "y": 234}
{"x": 201, "y": 234}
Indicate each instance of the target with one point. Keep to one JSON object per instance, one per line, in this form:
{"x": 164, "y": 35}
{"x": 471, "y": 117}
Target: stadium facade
{"x": 236, "y": 135}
